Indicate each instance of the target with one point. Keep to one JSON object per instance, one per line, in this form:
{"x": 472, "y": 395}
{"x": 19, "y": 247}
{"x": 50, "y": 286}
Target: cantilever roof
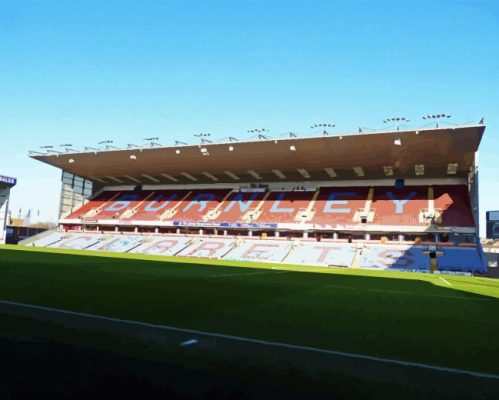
{"x": 324, "y": 157}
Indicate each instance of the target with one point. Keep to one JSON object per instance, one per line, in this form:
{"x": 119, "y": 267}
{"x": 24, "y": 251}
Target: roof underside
{"x": 379, "y": 156}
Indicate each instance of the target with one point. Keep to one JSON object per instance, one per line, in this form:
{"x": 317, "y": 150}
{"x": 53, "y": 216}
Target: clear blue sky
{"x": 83, "y": 71}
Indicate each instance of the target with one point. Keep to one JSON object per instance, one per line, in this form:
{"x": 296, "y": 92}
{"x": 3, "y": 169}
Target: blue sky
{"x": 83, "y": 71}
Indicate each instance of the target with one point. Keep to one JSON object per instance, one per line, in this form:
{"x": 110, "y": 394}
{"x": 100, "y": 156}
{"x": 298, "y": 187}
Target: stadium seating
{"x": 79, "y": 241}
{"x": 208, "y": 247}
{"x": 154, "y": 205}
{"x": 260, "y": 250}
{"x": 48, "y": 240}
{"x": 332, "y": 207}
{"x": 298, "y": 251}
{"x": 399, "y": 206}
{"x": 237, "y": 205}
{"x": 460, "y": 259}
{"x": 161, "y": 245}
{"x": 95, "y": 204}
{"x": 198, "y": 203}
{"x": 118, "y": 243}
{"x": 398, "y": 257}
{"x": 454, "y": 203}
{"x": 337, "y": 206}
{"x": 323, "y": 254}
{"x": 282, "y": 207}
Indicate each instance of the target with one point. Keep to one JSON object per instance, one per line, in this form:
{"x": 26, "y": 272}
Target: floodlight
{"x": 436, "y": 117}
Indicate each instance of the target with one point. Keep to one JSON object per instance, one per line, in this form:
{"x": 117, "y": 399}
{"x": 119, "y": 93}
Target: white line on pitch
{"x": 445, "y": 281}
{"x": 260, "y": 341}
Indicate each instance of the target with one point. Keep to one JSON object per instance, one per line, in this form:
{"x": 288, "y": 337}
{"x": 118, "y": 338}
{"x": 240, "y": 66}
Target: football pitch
{"x": 262, "y": 314}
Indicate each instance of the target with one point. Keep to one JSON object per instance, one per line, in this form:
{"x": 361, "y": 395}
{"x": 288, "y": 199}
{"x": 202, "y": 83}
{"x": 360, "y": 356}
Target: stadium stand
{"x": 322, "y": 200}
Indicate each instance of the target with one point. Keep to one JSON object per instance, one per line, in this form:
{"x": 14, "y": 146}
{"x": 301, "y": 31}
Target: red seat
{"x": 454, "y": 201}
{"x": 237, "y": 205}
{"x": 399, "y": 206}
{"x": 95, "y": 203}
{"x": 199, "y": 203}
{"x": 338, "y": 205}
{"x": 283, "y": 206}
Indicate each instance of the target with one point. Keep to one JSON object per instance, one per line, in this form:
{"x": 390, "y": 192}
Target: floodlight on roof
{"x": 323, "y": 126}
{"x": 257, "y": 130}
{"x": 398, "y": 121}
{"x": 152, "y": 141}
{"x": 203, "y": 137}
{"x": 178, "y": 142}
{"x": 47, "y": 147}
{"x": 436, "y": 117}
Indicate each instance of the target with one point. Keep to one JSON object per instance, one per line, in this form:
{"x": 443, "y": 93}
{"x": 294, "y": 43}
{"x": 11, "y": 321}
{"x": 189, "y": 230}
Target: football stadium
{"x": 346, "y": 264}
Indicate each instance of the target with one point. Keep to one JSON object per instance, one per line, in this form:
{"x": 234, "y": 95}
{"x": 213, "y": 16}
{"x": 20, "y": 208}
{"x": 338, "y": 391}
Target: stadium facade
{"x": 405, "y": 199}
{"x": 6, "y": 183}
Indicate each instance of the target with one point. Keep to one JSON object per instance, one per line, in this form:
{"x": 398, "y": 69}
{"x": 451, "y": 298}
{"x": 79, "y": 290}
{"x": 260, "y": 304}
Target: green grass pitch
{"x": 450, "y": 321}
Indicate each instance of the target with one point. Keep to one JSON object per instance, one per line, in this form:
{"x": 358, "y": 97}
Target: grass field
{"x": 448, "y": 321}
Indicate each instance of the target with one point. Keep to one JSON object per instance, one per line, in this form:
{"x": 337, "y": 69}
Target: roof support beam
{"x": 94, "y": 178}
{"x": 113, "y": 178}
{"x": 209, "y": 175}
{"x": 231, "y": 175}
{"x": 151, "y": 178}
{"x": 189, "y": 176}
{"x": 330, "y": 172}
{"x": 303, "y": 172}
{"x": 254, "y": 174}
{"x": 279, "y": 174}
{"x": 168, "y": 176}
{"x": 131, "y": 178}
